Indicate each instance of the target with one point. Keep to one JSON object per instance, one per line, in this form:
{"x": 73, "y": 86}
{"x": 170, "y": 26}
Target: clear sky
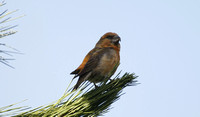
{"x": 160, "y": 43}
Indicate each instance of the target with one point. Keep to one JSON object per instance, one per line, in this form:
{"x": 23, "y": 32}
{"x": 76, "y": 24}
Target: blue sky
{"x": 160, "y": 44}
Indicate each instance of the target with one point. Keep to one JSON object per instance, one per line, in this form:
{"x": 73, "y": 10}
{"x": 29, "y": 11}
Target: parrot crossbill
{"x": 101, "y": 62}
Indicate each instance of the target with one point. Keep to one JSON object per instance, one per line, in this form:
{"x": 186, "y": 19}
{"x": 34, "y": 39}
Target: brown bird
{"x": 101, "y": 62}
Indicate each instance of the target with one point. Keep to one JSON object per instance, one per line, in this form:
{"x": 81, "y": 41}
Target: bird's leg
{"x": 107, "y": 78}
{"x": 95, "y": 86}
{"x": 110, "y": 79}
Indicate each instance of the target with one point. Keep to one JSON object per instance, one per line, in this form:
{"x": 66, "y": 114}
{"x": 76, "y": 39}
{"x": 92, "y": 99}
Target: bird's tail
{"x": 80, "y": 80}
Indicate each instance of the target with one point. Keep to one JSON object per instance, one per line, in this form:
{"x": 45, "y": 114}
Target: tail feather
{"x": 80, "y": 80}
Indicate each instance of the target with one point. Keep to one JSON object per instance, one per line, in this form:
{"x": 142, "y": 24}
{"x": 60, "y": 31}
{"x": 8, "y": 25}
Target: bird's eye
{"x": 109, "y": 37}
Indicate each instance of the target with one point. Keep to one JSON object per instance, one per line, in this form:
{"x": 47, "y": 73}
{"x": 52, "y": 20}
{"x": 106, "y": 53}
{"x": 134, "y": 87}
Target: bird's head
{"x": 109, "y": 39}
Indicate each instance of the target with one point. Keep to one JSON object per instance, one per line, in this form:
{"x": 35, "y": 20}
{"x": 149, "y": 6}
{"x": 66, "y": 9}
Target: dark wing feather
{"x": 75, "y": 71}
{"x": 93, "y": 61}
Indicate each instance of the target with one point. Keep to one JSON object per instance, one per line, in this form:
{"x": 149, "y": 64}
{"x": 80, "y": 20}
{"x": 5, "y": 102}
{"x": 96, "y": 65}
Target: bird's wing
{"x": 85, "y": 60}
{"x": 93, "y": 61}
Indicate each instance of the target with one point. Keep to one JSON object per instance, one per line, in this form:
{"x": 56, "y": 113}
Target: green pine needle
{"x": 84, "y": 102}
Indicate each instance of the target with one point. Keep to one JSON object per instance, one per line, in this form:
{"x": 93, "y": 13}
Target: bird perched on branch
{"x": 101, "y": 62}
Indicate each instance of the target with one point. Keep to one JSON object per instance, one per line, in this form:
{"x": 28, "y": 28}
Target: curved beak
{"x": 116, "y": 39}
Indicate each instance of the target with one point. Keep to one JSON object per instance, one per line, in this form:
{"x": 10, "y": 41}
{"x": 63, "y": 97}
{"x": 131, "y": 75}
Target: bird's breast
{"x": 108, "y": 62}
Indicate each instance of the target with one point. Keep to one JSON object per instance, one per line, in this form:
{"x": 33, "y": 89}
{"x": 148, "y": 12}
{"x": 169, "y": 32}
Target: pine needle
{"x": 84, "y": 103}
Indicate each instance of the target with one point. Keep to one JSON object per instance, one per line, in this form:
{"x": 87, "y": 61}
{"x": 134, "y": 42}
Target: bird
{"x": 101, "y": 62}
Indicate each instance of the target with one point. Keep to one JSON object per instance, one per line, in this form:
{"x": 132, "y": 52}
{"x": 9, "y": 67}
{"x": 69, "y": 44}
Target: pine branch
{"x": 87, "y": 101}
{"x": 6, "y": 30}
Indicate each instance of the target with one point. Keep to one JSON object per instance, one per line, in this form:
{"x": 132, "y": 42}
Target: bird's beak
{"x": 116, "y": 39}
